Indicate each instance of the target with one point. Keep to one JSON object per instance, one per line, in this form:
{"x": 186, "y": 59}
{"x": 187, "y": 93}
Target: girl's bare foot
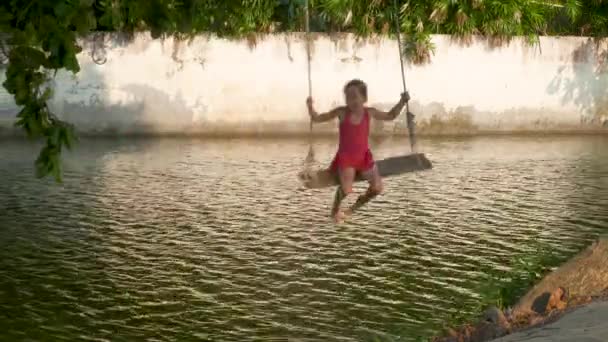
{"x": 339, "y": 217}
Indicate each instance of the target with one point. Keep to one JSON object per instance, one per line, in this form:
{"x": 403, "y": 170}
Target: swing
{"x": 387, "y": 167}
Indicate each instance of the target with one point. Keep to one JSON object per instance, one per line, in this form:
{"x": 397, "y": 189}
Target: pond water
{"x": 186, "y": 239}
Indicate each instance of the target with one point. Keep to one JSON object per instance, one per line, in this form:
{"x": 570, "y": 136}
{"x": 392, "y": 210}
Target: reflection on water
{"x": 195, "y": 240}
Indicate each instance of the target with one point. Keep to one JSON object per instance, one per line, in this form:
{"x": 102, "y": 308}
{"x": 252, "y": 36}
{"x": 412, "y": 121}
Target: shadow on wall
{"x": 440, "y": 121}
{"x": 128, "y": 109}
{"x": 587, "y": 85}
{"x": 431, "y": 119}
{"x": 96, "y": 107}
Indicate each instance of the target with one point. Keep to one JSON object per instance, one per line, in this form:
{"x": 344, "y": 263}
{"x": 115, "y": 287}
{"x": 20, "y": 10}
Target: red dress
{"x": 353, "y": 150}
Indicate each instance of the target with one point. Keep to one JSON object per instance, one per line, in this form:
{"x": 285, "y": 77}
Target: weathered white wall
{"x": 216, "y": 85}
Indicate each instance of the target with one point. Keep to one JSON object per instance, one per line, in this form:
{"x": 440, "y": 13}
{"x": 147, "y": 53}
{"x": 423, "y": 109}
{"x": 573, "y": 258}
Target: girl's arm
{"x": 316, "y": 117}
{"x": 393, "y": 113}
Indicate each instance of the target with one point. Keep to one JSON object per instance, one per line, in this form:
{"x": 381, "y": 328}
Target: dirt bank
{"x": 588, "y": 323}
{"x": 570, "y": 304}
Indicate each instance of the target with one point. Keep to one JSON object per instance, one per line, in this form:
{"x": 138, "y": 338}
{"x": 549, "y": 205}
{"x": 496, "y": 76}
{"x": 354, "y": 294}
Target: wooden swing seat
{"x": 388, "y": 167}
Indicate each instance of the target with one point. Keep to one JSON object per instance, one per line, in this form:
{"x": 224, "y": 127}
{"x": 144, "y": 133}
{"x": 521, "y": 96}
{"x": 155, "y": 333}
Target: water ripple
{"x": 166, "y": 240}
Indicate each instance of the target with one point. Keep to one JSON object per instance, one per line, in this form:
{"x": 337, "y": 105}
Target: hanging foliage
{"x": 40, "y": 37}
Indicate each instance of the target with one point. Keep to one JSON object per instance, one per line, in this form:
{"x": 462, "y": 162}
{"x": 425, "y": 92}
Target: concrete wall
{"x": 219, "y": 86}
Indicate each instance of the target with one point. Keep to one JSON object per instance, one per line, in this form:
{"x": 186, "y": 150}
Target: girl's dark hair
{"x": 360, "y": 85}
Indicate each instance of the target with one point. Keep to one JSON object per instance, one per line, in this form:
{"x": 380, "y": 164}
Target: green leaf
{"x": 49, "y": 26}
{"x": 34, "y": 126}
{"x": 68, "y": 136}
{"x": 61, "y": 9}
{"x": 106, "y": 20}
{"x": 31, "y": 58}
{"x": 55, "y": 45}
{"x": 5, "y": 19}
{"x": 46, "y": 95}
{"x": 84, "y": 22}
{"x": 54, "y": 136}
{"x": 42, "y": 164}
{"x": 22, "y": 96}
{"x": 30, "y": 35}
{"x": 71, "y": 63}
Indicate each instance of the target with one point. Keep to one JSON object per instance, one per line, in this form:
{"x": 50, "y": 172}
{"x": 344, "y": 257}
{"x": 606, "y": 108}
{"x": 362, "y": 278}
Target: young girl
{"x": 353, "y": 154}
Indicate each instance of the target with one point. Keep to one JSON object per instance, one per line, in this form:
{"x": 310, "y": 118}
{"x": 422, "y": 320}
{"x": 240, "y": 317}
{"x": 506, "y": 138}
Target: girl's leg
{"x": 347, "y": 178}
{"x": 375, "y": 188}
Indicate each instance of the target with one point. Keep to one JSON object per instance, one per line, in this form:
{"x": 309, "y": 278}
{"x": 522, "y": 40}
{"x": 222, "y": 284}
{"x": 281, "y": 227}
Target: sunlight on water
{"x": 191, "y": 239}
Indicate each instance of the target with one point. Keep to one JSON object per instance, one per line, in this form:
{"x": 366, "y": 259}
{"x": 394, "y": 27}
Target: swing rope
{"x": 308, "y": 57}
{"x": 410, "y": 116}
{"x": 310, "y": 157}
